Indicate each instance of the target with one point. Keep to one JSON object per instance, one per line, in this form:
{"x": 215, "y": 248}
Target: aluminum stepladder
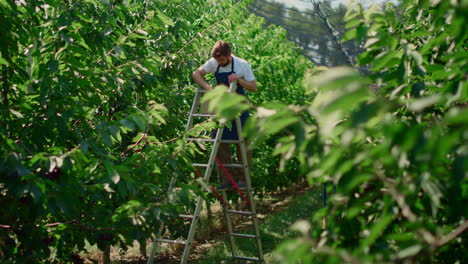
{"x": 244, "y": 165}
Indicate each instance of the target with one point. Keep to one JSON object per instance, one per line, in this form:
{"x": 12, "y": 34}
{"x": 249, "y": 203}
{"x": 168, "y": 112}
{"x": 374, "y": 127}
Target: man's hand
{"x": 250, "y": 86}
{"x": 199, "y": 77}
{"x": 233, "y": 77}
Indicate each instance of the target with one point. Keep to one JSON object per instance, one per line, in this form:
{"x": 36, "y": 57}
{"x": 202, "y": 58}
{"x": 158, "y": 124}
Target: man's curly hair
{"x": 221, "y": 48}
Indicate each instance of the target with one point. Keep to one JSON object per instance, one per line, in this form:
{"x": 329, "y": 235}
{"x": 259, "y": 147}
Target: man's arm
{"x": 197, "y": 76}
{"x": 248, "y": 85}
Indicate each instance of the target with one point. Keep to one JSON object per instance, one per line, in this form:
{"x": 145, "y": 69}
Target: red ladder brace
{"x": 232, "y": 181}
{"x": 213, "y": 189}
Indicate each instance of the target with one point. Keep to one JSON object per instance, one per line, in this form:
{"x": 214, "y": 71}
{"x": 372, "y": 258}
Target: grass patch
{"x": 274, "y": 229}
{"x": 276, "y": 214}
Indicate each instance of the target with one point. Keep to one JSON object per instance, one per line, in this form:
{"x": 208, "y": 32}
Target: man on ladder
{"x": 232, "y": 72}
{"x": 228, "y": 68}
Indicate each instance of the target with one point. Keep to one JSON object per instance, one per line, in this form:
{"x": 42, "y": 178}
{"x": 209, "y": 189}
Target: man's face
{"x": 224, "y": 60}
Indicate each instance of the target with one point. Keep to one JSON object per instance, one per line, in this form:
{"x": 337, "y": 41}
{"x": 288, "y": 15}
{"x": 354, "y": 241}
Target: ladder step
{"x": 203, "y": 115}
{"x": 179, "y": 242}
{"x": 186, "y": 216}
{"x": 225, "y": 165}
{"x": 201, "y": 139}
{"x": 246, "y": 258}
{"x": 213, "y": 140}
{"x": 200, "y": 165}
{"x": 202, "y": 91}
{"x": 234, "y": 165}
{"x": 239, "y": 212}
{"x": 243, "y": 235}
{"x": 230, "y": 141}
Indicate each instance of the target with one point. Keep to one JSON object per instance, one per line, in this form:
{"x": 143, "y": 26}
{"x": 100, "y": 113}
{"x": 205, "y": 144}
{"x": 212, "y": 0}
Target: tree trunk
{"x": 4, "y": 85}
{"x": 106, "y": 255}
{"x": 142, "y": 243}
{"x": 209, "y": 214}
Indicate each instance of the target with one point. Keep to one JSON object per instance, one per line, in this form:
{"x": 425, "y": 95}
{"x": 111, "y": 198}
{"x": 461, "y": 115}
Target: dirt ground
{"x": 210, "y": 233}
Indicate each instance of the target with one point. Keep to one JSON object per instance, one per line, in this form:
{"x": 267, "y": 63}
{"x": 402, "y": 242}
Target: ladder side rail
{"x": 230, "y": 230}
{"x": 208, "y": 172}
{"x": 214, "y": 153}
{"x": 243, "y": 150}
{"x": 227, "y": 216}
{"x": 196, "y": 214}
{"x": 233, "y": 87}
{"x": 191, "y": 234}
{"x": 245, "y": 162}
{"x": 189, "y": 125}
{"x": 159, "y": 233}
{"x": 193, "y": 110}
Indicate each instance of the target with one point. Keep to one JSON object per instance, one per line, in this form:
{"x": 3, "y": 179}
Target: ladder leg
{"x": 193, "y": 110}
{"x": 244, "y": 161}
{"x": 229, "y": 225}
{"x": 196, "y": 214}
{"x": 161, "y": 228}
{"x": 155, "y": 244}
{"x": 193, "y": 227}
{"x": 244, "y": 158}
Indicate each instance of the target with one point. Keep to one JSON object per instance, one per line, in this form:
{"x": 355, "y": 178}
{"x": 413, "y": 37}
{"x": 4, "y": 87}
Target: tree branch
{"x": 333, "y": 33}
{"x": 447, "y": 238}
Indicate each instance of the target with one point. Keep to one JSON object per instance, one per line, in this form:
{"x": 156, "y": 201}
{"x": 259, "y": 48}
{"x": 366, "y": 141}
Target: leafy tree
{"x": 317, "y": 30}
{"x": 393, "y": 143}
{"x": 95, "y": 96}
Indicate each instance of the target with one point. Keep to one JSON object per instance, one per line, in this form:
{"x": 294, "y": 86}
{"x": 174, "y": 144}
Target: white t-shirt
{"x": 241, "y": 68}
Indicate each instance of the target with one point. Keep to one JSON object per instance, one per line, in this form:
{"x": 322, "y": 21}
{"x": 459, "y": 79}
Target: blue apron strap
{"x": 232, "y": 65}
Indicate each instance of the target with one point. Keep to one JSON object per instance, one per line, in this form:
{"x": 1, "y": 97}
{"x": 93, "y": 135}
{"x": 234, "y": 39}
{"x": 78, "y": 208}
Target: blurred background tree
{"x": 318, "y": 30}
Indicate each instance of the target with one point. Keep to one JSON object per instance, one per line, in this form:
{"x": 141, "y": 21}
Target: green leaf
{"x": 421, "y": 104}
{"x": 353, "y": 23}
{"x": 85, "y": 17}
{"x": 82, "y": 42}
{"x": 3, "y": 61}
{"x": 213, "y": 97}
{"x": 165, "y": 19}
{"x": 333, "y": 79}
{"x": 416, "y": 56}
{"x": 128, "y": 124}
{"x": 349, "y": 35}
{"x": 106, "y": 138}
{"x": 142, "y": 32}
{"x": 112, "y": 172}
{"x": 457, "y": 116}
{"x": 53, "y": 65}
{"x": 231, "y": 105}
{"x": 278, "y": 122}
{"x": 409, "y": 251}
{"x": 348, "y": 101}
{"x": 371, "y": 42}
{"x": 108, "y": 188}
{"x": 55, "y": 162}
{"x": 139, "y": 121}
{"x": 365, "y": 58}
{"x": 63, "y": 204}
{"x": 386, "y": 60}
{"x": 361, "y": 32}
{"x": 16, "y": 113}
{"x": 376, "y": 231}
{"x": 108, "y": 59}
{"x": 350, "y": 14}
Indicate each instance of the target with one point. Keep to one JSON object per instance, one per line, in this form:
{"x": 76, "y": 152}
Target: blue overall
{"x": 222, "y": 78}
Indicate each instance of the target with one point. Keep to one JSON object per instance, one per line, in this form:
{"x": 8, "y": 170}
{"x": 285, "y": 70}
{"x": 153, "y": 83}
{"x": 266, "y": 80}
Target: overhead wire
{"x": 320, "y": 10}
{"x": 285, "y": 17}
{"x": 285, "y": 26}
{"x": 285, "y": 8}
